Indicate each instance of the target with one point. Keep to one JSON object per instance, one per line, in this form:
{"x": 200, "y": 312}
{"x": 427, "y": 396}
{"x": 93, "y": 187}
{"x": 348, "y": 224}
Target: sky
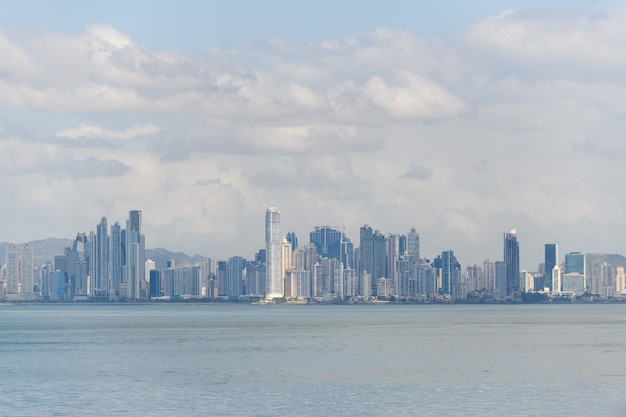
{"x": 460, "y": 119}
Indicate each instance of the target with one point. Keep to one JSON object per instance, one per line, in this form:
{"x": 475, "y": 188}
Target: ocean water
{"x": 301, "y": 360}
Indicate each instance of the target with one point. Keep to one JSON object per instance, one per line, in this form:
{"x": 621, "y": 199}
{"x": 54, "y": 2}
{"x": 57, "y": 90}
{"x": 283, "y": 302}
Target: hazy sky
{"x": 461, "y": 119}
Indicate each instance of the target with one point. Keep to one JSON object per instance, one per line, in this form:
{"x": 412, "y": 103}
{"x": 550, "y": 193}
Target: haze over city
{"x": 460, "y": 120}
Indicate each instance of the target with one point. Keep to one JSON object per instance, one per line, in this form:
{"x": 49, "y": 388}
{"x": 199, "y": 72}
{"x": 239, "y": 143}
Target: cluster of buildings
{"x": 109, "y": 264}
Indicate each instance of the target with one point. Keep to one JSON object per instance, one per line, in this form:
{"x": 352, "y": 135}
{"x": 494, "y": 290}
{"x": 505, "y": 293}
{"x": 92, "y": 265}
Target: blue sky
{"x": 194, "y": 26}
{"x": 461, "y": 119}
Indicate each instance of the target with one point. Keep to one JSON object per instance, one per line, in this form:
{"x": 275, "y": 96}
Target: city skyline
{"x": 462, "y": 121}
{"x": 114, "y": 266}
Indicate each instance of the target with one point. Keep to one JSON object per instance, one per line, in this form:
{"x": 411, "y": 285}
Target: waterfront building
{"x": 575, "y": 262}
{"x": 449, "y": 277}
{"x": 134, "y": 269}
{"x": 13, "y": 263}
{"x": 373, "y": 255}
{"x": 500, "y": 276}
{"x": 101, "y": 261}
{"x": 117, "y": 260}
{"x": 79, "y": 261}
{"x": 58, "y": 284}
{"x": 20, "y": 273}
{"x": 222, "y": 278}
{"x": 556, "y": 280}
{"x": 273, "y": 239}
{"x": 573, "y": 282}
{"x": 488, "y": 278}
{"x": 155, "y": 283}
{"x": 551, "y": 259}
{"x": 365, "y": 284}
{"x": 511, "y": 259}
{"x": 236, "y": 265}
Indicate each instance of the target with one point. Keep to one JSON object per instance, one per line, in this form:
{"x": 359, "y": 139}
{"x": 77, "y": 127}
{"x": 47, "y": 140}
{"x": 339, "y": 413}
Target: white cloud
{"x": 513, "y": 124}
{"x": 90, "y": 131}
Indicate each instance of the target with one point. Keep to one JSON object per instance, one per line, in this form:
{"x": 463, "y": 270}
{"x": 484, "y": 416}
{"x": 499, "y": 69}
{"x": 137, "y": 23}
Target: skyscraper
{"x": 236, "y": 265}
{"x": 100, "y": 282}
{"x": 511, "y": 259}
{"x": 273, "y": 288}
{"x": 449, "y": 277}
{"x": 79, "y": 264}
{"x": 413, "y": 244}
{"x": 551, "y": 259}
{"x": 373, "y": 250}
{"x": 134, "y": 270}
{"x": 20, "y": 273}
{"x": 117, "y": 260}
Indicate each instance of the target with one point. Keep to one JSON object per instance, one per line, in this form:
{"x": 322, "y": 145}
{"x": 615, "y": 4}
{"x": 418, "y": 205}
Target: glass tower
{"x": 273, "y": 238}
{"x": 511, "y": 259}
{"x": 550, "y": 261}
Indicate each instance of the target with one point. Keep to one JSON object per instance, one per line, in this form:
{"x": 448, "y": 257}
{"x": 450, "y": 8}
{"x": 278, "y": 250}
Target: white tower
{"x": 273, "y": 238}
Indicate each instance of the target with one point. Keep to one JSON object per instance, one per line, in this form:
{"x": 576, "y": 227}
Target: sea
{"x": 312, "y": 360}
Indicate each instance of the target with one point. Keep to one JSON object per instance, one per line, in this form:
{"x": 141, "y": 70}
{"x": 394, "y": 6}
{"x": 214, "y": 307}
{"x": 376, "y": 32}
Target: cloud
{"x": 105, "y": 70}
{"x": 90, "y": 131}
{"x": 417, "y": 172}
{"x": 516, "y": 117}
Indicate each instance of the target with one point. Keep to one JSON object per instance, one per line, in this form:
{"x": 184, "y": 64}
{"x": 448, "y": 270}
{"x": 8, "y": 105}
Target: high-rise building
{"x": 393, "y": 256}
{"x": 135, "y": 253}
{"x": 413, "y": 244}
{"x": 551, "y": 259}
{"x": 12, "y": 255}
{"x": 488, "y": 277}
{"x": 286, "y": 254}
{"x": 117, "y": 260}
{"x": 373, "y": 255}
{"x": 575, "y": 262}
{"x": 556, "y": 280}
{"x": 575, "y": 271}
{"x": 500, "y": 277}
{"x": 449, "y": 265}
{"x": 511, "y": 259}
{"x": 20, "y": 273}
{"x": 101, "y": 279}
{"x": 293, "y": 239}
{"x": 79, "y": 264}
{"x": 236, "y": 265}
{"x": 273, "y": 238}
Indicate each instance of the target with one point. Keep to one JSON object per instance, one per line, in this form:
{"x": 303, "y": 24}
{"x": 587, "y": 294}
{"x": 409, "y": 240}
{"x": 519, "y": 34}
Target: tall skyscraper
{"x": 511, "y": 259}
{"x": 413, "y": 245}
{"x": 273, "y": 238}
{"x": 373, "y": 255}
{"x": 450, "y": 270}
{"x": 117, "y": 260}
{"x": 100, "y": 282}
{"x": 551, "y": 259}
{"x": 79, "y": 264}
{"x": 135, "y": 268}
{"x": 393, "y": 256}
{"x": 236, "y": 265}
